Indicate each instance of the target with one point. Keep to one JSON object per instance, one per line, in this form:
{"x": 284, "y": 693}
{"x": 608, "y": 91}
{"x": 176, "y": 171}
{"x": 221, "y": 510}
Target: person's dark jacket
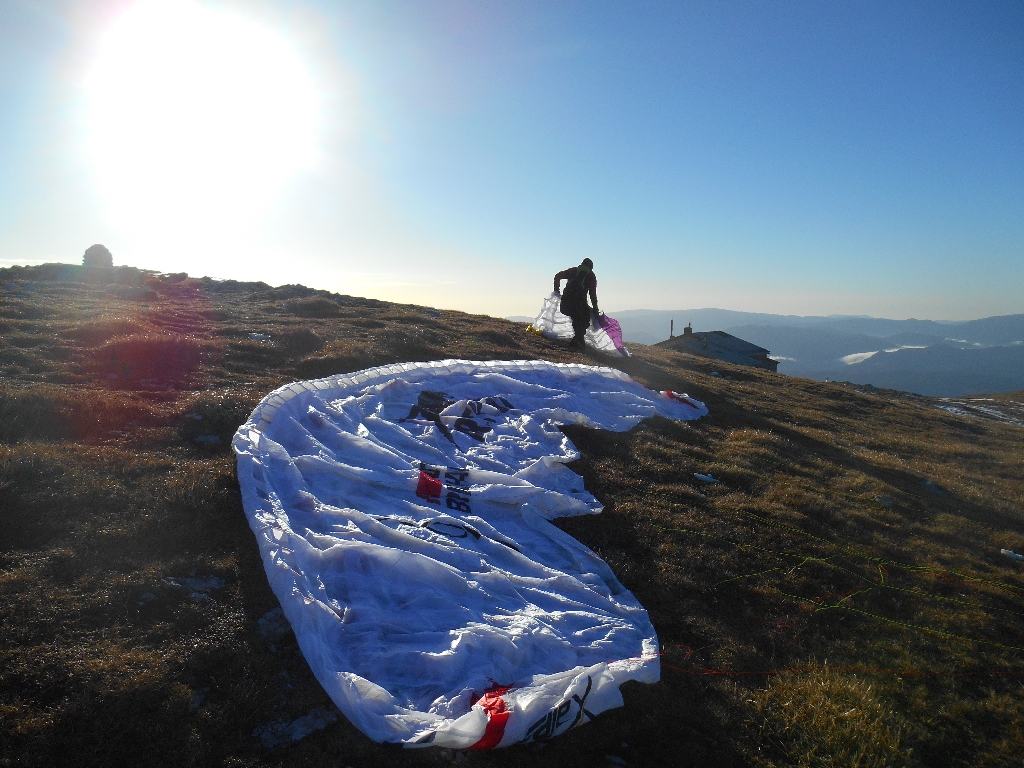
{"x": 574, "y": 297}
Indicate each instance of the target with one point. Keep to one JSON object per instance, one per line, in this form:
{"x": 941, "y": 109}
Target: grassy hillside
{"x": 838, "y": 599}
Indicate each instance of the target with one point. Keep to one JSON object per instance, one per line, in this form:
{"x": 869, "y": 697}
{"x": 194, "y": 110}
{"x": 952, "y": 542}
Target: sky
{"x": 806, "y": 158}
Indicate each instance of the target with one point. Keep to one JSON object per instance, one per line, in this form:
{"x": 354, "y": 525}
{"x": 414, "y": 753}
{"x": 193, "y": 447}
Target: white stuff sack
{"x": 402, "y": 514}
{"x": 603, "y": 335}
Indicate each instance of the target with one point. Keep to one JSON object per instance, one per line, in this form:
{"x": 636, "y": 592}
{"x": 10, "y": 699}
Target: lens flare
{"x": 197, "y": 119}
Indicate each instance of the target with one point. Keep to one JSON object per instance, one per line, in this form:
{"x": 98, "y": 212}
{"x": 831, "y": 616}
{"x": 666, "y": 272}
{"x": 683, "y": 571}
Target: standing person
{"x": 578, "y": 282}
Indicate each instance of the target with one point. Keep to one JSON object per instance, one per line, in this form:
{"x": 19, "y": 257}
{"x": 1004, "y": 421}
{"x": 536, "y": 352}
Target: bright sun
{"x": 197, "y": 118}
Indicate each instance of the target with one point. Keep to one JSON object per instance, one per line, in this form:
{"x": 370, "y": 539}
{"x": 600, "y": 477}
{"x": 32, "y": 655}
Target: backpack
{"x": 574, "y": 297}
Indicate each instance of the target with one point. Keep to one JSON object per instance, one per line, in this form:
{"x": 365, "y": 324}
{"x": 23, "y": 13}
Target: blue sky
{"x": 798, "y": 158}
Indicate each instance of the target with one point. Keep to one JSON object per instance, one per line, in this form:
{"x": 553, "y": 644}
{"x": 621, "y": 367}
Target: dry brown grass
{"x": 827, "y": 719}
{"x": 862, "y": 528}
{"x": 167, "y": 357}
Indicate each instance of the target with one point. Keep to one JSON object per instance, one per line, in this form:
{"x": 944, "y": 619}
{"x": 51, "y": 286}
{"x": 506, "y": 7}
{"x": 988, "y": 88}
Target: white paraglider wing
{"x": 402, "y": 515}
{"x": 603, "y": 335}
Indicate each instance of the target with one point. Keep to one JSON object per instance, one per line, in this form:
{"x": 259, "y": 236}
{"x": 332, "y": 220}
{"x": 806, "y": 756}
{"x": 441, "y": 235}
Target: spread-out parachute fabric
{"x": 604, "y": 333}
{"x": 402, "y": 514}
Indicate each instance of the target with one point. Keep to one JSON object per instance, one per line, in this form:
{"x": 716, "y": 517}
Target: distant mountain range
{"x": 944, "y": 359}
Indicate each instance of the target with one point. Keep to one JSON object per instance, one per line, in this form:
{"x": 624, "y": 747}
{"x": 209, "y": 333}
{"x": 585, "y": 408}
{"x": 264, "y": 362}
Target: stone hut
{"x": 721, "y": 346}
{"x": 97, "y": 256}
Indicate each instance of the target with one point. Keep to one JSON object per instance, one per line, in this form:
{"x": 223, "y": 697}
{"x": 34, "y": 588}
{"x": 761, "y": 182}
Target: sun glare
{"x": 197, "y": 118}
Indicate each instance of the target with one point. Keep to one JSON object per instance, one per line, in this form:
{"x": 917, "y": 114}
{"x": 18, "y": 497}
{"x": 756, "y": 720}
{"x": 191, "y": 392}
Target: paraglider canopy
{"x": 603, "y": 335}
{"x": 403, "y": 517}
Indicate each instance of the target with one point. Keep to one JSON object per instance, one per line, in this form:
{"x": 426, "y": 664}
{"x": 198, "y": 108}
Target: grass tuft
{"x": 315, "y": 306}
{"x": 827, "y": 719}
{"x": 167, "y": 357}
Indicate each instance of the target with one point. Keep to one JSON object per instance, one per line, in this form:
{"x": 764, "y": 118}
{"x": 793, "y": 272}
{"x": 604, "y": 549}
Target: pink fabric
{"x": 611, "y": 326}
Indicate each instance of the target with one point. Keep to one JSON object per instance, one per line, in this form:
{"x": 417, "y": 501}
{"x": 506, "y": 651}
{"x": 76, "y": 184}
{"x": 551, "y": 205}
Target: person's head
{"x": 587, "y": 264}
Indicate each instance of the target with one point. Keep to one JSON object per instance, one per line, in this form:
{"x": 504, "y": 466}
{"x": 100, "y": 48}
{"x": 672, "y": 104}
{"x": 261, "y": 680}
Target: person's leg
{"x": 580, "y": 324}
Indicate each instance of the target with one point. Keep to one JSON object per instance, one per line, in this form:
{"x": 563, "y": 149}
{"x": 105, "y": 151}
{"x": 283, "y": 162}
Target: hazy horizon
{"x": 77, "y": 261}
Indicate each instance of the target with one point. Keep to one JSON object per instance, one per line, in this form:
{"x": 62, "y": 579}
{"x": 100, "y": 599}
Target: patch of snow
{"x": 1006, "y": 412}
{"x": 203, "y": 585}
{"x": 274, "y": 626}
{"x": 197, "y": 586}
{"x": 280, "y": 733}
{"x": 858, "y": 357}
